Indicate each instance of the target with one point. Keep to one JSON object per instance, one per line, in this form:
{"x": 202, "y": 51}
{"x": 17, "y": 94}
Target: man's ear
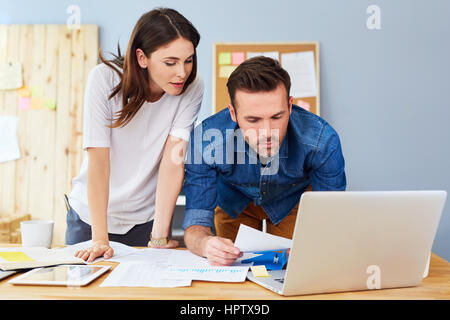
{"x": 232, "y": 112}
{"x": 141, "y": 58}
{"x": 291, "y": 99}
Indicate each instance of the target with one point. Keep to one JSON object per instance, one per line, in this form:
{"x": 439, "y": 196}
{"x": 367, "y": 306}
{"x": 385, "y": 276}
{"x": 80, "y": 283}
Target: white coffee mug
{"x": 36, "y": 233}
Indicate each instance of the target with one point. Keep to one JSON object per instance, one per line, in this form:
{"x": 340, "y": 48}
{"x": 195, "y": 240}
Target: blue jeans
{"x": 79, "y": 231}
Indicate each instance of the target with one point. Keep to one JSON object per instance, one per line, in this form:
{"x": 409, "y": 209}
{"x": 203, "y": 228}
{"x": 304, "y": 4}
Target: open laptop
{"x": 358, "y": 240}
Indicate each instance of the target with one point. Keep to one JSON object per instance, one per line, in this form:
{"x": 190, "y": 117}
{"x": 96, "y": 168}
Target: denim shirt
{"x": 222, "y": 171}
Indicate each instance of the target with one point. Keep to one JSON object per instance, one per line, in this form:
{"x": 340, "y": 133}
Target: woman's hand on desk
{"x": 98, "y": 249}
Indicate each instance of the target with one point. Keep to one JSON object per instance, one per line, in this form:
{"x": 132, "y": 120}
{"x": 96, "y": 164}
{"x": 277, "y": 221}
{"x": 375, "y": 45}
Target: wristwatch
{"x": 159, "y": 242}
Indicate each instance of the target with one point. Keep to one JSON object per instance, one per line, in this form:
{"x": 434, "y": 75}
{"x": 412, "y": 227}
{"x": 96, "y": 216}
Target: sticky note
{"x": 50, "y": 103}
{"x": 237, "y": 58}
{"x": 259, "y": 271}
{"x": 224, "y": 58}
{"x": 226, "y": 71}
{"x": 24, "y": 103}
{"x": 37, "y": 103}
{"x": 37, "y": 92}
{"x": 303, "y": 104}
{"x": 24, "y": 92}
{"x": 15, "y": 256}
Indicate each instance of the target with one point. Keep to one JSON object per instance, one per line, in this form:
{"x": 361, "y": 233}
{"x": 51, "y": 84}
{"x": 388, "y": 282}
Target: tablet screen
{"x": 61, "y": 275}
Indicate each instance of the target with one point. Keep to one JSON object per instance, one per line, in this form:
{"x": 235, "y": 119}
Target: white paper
{"x": 207, "y": 273}
{"x": 270, "y": 54}
{"x": 301, "y": 69}
{"x": 10, "y": 75}
{"x": 120, "y": 250}
{"x": 251, "y": 240}
{"x": 9, "y": 144}
{"x": 141, "y": 274}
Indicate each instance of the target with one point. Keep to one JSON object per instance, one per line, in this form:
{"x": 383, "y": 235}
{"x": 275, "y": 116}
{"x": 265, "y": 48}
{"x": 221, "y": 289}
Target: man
{"x": 252, "y": 161}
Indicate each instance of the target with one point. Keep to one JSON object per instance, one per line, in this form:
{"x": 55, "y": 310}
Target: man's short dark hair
{"x": 258, "y": 74}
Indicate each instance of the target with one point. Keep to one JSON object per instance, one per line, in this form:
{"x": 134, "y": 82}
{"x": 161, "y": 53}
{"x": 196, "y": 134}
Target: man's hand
{"x": 220, "y": 251}
{"x": 99, "y": 248}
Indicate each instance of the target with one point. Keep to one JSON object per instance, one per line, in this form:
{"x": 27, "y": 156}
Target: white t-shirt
{"x": 135, "y": 150}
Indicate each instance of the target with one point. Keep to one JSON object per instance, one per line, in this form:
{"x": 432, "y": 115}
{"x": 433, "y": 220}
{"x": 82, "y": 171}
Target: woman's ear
{"x": 141, "y": 58}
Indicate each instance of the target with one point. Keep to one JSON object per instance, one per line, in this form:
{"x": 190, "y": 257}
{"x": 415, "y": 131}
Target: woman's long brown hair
{"x": 153, "y": 30}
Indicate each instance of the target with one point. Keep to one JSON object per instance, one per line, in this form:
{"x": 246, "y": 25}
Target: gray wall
{"x": 385, "y": 91}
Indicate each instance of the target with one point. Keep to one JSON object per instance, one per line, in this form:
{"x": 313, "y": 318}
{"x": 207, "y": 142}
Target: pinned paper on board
{"x": 10, "y": 75}
{"x": 301, "y": 69}
{"x": 224, "y": 58}
{"x": 9, "y": 144}
{"x": 237, "y": 58}
{"x": 226, "y": 71}
{"x": 270, "y": 54}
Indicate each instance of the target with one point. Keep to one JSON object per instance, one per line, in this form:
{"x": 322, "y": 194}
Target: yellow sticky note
{"x": 224, "y": 58}
{"x": 24, "y": 92}
{"x": 15, "y": 256}
{"x": 226, "y": 71}
{"x": 37, "y": 103}
{"x": 37, "y": 92}
{"x": 260, "y": 271}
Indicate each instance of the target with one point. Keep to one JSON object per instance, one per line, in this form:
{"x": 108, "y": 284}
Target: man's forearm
{"x": 195, "y": 237}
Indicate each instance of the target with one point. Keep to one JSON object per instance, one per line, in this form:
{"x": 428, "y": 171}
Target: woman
{"x": 139, "y": 111}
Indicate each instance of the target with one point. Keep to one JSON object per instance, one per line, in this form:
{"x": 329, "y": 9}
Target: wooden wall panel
{"x": 58, "y": 60}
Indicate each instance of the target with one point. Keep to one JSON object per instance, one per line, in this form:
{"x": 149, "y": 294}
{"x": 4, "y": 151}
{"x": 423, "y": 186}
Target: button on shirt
{"x": 222, "y": 170}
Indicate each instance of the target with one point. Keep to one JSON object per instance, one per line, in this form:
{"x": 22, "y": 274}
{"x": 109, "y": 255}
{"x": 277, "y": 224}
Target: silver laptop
{"x": 358, "y": 240}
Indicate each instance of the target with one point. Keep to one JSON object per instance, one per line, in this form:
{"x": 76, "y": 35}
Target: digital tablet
{"x": 4, "y": 274}
{"x": 63, "y": 275}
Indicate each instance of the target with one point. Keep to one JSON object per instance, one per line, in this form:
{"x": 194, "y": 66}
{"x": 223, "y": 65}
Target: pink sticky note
{"x": 237, "y": 58}
{"x": 24, "y": 103}
{"x": 305, "y": 105}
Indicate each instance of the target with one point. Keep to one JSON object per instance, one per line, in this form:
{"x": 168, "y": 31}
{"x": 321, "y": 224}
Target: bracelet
{"x": 158, "y": 242}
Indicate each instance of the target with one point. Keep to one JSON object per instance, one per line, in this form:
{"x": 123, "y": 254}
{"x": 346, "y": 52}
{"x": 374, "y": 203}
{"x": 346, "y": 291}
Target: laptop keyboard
{"x": 281, "y": 280}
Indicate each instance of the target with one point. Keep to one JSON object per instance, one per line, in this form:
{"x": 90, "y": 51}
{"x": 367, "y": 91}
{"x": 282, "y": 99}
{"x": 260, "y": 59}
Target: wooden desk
{"x": 435, "y": 286}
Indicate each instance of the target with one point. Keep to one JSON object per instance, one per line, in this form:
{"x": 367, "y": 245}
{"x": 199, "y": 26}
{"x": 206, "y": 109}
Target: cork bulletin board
{"x": 300, "y": 59}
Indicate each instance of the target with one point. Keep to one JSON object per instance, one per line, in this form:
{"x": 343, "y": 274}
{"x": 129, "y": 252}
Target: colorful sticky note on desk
{"x": 260, "y": 271}
{"x": 15, "y": 256}
{"x": 224, "y": 58}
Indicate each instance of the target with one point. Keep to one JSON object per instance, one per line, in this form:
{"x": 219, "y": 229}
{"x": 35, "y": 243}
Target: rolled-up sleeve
{"x": 97, "y": 113}
{"x": 328, "y": 172}
{"x": 200, "y": 185}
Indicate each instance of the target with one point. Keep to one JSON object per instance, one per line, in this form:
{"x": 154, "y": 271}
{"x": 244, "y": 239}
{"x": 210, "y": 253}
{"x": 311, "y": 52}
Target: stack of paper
{"x": 34, "y": 257}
